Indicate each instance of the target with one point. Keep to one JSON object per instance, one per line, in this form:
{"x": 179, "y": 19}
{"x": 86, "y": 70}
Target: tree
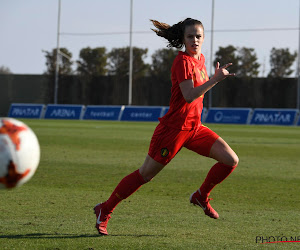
{"x": 5, "y": 70}
{"x": 247, "y": 65}
{"x": 227, "y": 55}
{"x": 281, "y": 61}
{"x": 118, "y": 62}
{"x": 92, "y": 62}
{"x": 162, "y": 61}
{"x": 64, "y": 62}
{"x": 244, "y": 60}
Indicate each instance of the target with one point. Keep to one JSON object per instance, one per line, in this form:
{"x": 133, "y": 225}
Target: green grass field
{"x": 82, "y": 162}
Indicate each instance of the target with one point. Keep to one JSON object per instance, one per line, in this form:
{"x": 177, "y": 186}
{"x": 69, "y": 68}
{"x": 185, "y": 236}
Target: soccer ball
{"x": 19, "y": 153}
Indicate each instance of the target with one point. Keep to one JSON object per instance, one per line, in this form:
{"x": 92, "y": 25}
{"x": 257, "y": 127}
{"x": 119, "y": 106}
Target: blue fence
{"x": 24, "y": 110}
{"x": 138, "y": 113}
{"x": 228, "y": 115}
{"x": 286, "y": 117}
{"x": 69, "y": 112}
{"x": 102, "y": 113}
{"x": 274, "y": 116}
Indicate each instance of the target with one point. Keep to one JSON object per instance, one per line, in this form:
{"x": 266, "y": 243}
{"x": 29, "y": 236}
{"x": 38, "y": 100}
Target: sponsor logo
{"x": 25, "y": 112}
{"x": 222, "y": 117}
{"x": 204, "y": 208}
{"x": 98, "y": 219}
{"x": 141, "y": 115}
{"x": 273, "y": 118}
{"x": 61, "y": 112}
{"x": 102, "y": 114}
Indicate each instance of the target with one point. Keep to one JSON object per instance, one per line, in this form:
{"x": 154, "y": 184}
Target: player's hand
{"x": 222, "y": 72}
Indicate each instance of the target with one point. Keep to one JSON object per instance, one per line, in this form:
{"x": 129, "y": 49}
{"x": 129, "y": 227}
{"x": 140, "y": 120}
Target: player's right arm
{"x": 191, "y": 93}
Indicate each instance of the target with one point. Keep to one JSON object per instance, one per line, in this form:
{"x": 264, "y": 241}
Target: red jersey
{"x": 183, "y": 115}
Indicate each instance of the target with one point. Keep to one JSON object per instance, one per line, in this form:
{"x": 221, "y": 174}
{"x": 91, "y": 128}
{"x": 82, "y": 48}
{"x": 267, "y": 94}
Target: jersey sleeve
{"x": 183, "y": 70}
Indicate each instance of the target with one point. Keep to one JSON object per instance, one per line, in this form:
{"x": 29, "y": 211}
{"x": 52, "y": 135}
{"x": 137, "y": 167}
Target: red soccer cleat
{"x": 102, "y": 219}
{"x": 198, "y": 200}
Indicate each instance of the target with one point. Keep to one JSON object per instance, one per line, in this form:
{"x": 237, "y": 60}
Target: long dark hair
{"x": 174, "y": 34}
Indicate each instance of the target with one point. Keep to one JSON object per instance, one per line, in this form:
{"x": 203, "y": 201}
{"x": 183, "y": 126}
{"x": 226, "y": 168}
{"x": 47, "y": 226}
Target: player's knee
{"x": 232, "y": 160}
{"x": 235, "y": 160}
{"x": 147, "y": 178}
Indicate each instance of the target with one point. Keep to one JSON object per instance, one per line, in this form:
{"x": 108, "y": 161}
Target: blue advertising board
{"x": 298, "y": 123}
{"x": 26, "y": 110}
{"x": 228, "y": 115}
{"x": 69, "y": 112}
{"x": 102, "y": 113}
{"x": 274, "y": 116}
{"x": 135, "y": 113}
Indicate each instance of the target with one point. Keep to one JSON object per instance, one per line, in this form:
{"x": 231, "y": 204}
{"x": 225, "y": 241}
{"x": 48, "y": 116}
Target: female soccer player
{"x": 181, "y": 126}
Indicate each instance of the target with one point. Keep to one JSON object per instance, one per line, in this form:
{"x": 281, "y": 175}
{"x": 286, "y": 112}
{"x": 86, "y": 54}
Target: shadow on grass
{"x": 71, "y": 236}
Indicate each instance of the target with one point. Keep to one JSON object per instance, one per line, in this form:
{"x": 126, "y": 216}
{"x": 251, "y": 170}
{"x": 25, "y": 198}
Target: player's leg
{"x": 132, "y": 182}
{"x": 209, "y": 144}
{"x": 227, "y": 160}
{"x": 127, "y": 186}
{"x": 150, "y": 168}
{"x": 223, "y": 153}
{"x": 162, "y": 149}
{"x": 165, "y": 144}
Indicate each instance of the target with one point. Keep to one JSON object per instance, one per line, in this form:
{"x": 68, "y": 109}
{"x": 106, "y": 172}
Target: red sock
{"x": 127, "y": 186}
{"x": 216, "y": 175}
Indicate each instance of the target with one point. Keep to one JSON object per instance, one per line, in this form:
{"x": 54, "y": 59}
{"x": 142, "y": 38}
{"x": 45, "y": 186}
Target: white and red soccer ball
{"x": 19, "y": 153}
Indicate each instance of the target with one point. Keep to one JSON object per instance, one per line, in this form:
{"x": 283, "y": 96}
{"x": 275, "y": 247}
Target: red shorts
{"x": 166, "y": 142}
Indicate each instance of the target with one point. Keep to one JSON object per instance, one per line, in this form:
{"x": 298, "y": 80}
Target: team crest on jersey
{"x": 203, "y": 74}
{"x": 164, "y": 152}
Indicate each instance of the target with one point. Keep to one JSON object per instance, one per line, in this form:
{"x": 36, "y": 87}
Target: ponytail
{"x": 174, "y": 34}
